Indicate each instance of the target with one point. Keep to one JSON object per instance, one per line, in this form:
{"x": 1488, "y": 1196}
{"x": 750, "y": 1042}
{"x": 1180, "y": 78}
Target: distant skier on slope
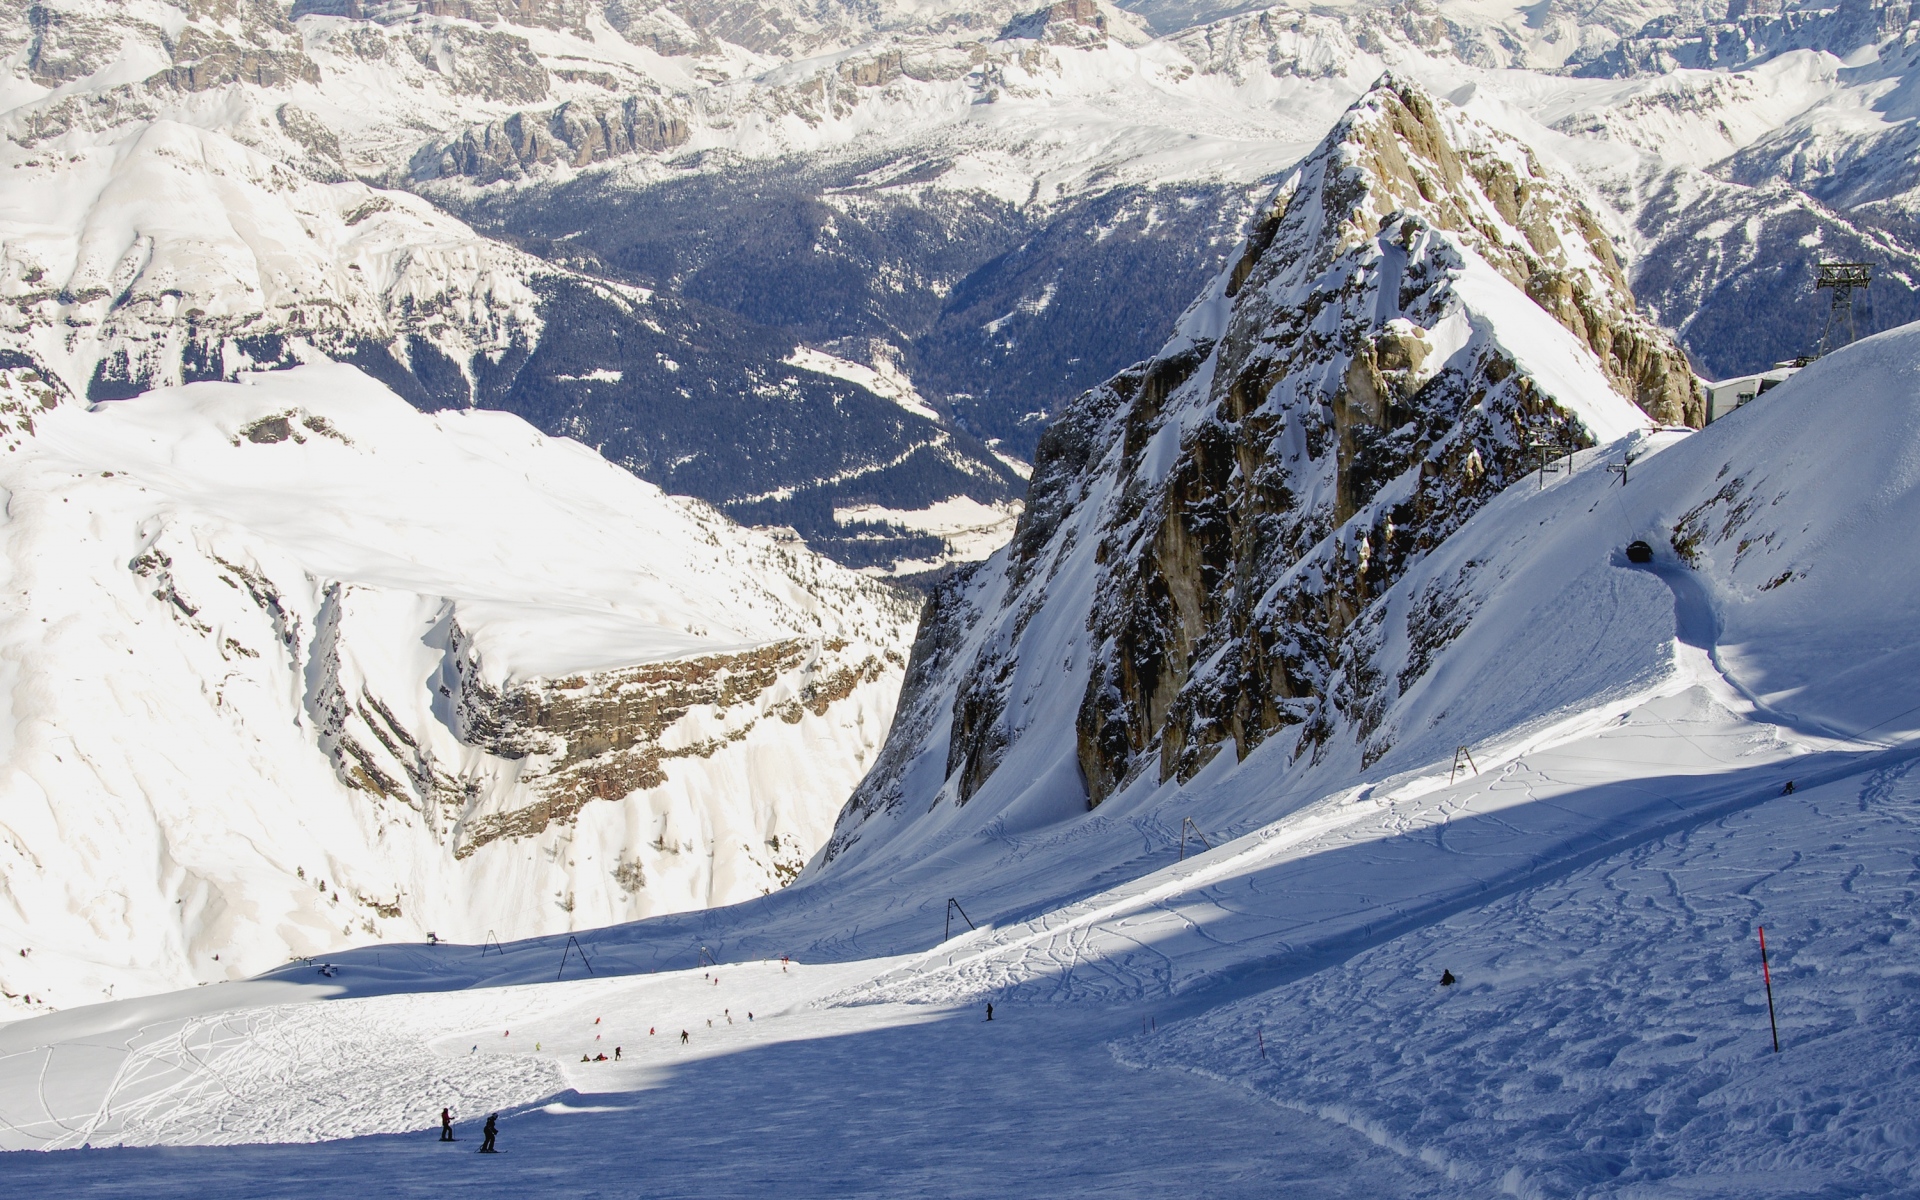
{"x": 446, "y": 1124}
{"x": 492, "y": 1128}
{"x": 989, "y": 1010}
{"x": 683, "y": 1037}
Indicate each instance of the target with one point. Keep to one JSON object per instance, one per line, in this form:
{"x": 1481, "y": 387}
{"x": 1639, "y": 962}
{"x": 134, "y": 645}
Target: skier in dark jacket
{"x": 446, "y": 1124}
{"x": 492, "y": 1128}
{"x": 989, "y": 1010}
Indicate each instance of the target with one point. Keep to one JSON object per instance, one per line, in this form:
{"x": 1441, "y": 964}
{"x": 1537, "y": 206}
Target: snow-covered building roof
{"x": 1728, "y": 394}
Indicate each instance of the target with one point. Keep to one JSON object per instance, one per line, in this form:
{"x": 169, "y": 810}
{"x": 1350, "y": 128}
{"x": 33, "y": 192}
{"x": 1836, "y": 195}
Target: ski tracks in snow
{"x": 1609, "y": 1034}
{"x": 295, "y": 1072}
{"x": 1344, "y": 874}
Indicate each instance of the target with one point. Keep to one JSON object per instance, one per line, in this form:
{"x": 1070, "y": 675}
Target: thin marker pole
{"x": 1262, "y": 1038}
{"x": 1767, "y": 974}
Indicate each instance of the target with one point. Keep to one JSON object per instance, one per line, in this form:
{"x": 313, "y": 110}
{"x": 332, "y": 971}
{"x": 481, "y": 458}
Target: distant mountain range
{"x": 626, "y": 223}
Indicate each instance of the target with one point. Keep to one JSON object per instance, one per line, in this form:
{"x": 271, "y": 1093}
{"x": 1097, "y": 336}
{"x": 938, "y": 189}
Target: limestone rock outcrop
{"x": 1422, "y": 312}
{"x": 574, "y": 133}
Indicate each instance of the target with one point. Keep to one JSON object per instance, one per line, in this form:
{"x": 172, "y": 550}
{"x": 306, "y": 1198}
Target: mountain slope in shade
{"x": 292, "y": 666}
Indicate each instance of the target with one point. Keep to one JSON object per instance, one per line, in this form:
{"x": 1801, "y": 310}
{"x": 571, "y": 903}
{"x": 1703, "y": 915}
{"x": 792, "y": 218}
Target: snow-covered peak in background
{"x": 293, "y": 666}
{"x": 657, "y": 198}
{"x": 552, "y": 560}
{"x": 174, "y": 252}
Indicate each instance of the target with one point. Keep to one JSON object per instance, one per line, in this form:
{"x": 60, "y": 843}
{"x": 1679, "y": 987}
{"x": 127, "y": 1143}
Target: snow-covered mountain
{"x": 1590, "y": 881}
{"x": 664, "y": 210}
{"x": 1322, "y": 660}
{"x": 182, "y": 204}
{"x": 1423, "y": 313}
{"x": 292, "y": 666}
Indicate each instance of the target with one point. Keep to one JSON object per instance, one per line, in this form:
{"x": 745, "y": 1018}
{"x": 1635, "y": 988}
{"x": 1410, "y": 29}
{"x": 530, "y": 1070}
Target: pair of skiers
{"x": 488, "y": 1132}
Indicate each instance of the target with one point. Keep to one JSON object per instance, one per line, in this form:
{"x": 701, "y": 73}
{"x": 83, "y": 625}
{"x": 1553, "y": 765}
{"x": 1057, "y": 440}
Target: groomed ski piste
{"x": 1263, "y": 1015}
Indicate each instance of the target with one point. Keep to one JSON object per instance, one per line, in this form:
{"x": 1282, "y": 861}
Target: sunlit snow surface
{"x": 1593, "y": 880}
{"x": 201, "y": 586}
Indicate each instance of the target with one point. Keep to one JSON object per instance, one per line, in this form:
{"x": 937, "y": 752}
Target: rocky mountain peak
{"x": 1208, "y": 535}
{"x": 1399, "y": 153}
{"x": 1381, "y": 374}
{"x": 1075, "y": 23}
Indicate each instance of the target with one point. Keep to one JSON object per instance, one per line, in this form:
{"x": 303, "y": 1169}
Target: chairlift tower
{"x": 1542, "y": 442}
{"x": 1842, "y": 277}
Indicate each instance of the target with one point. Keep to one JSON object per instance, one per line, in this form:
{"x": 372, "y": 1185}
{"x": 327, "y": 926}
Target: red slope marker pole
{"x": 1767, "y": 974}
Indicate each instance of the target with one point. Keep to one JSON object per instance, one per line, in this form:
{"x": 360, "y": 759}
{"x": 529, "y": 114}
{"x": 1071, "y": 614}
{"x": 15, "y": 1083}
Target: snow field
{"x": 1352, "y": 870}
{"x": 305, "y": 1071}
{"x": 867, "y": 1101}
{"x": 1609, "y": 1035}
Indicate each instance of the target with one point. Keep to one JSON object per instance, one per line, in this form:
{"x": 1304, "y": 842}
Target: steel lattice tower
{"x": 1842, "y": 277}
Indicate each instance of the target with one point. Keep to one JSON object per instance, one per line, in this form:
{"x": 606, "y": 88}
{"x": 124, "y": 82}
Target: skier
{"x": 492, "y": 1128}
{"x": 1447, "y": 979}
{"x": 1788, "y": 791}
{"x": 446, "y": 1124}
{"x": 683, "y": 1037}
{"x": 989, "y": 1010}
{"x": 616, "y": 1054}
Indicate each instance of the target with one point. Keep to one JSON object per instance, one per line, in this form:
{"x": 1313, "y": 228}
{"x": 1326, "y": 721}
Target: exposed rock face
{"x": 574, "y": 133}
{"x": 1206, "y": 534}
{"x": 221, "y": 42}
{"x": 530, "y": 756}
{"x": 1329, "y": 438}
{"x": 1335, "y": 441}
{"x": 1068, "y": 23}
{"x": 548, "y": 14}
{"x": 605, "y": 735}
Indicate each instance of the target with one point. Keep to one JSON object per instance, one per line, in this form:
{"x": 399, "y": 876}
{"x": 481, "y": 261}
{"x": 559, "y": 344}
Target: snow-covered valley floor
{"x": 1608, "y": 1035}
{"x": 927, "y": 1103}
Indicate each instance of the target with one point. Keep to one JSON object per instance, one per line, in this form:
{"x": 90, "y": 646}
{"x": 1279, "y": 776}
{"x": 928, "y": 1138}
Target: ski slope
{"x": 1268, "y": 1005}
